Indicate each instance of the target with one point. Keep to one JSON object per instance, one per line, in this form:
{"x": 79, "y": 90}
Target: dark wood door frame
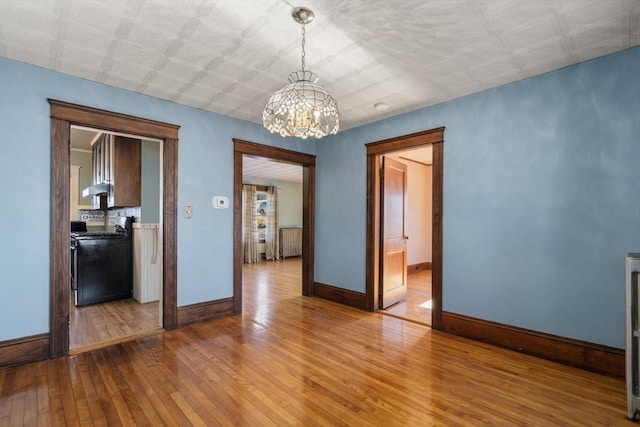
{"x": 308, "y": 163}
{"x": 63, "y": 115}
{"x": 435, "y": 138}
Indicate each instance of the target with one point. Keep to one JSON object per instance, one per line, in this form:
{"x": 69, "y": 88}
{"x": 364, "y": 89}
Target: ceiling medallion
{"x": 302, "y": 108}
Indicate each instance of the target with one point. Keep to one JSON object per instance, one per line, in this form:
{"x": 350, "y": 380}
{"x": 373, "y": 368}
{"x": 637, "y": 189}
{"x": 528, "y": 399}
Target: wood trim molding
{"x": 405, "y": 142}
{"x": 60, "y": 227}
{"x": 281, "y": 154}
{"x": 24, "y": 350}
{"x": 435, "y": 138}
{"x": 238, "y": 253}
{"x": 170, "y": 234}
{"x": 437, "y": 174}
{"x": 204, "y": 311}
{"x": 414, "y": 268}
{"x": 308, "y": 162}
{"x": 340, "y": 295}
{"x": 372, "y": 274}
{"x": 580, "y": 354}
{"x": 308, "y": 228}
{"x": 63, "y": 115}
{"x": 108, "y": 120}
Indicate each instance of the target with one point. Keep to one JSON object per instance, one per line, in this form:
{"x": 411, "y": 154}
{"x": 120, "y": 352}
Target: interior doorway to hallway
{"x": 416, "y": 302}
{"x": 272, "y": 212}
{"x": 374, "y": 274}
{"x": 307, "y": 162}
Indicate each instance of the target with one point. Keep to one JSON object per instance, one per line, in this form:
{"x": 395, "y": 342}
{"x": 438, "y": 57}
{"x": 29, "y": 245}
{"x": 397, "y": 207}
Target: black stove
{"x": 121, "y": 232}
{"x": 99, "y": 235}
{"x": 102, "y": 264}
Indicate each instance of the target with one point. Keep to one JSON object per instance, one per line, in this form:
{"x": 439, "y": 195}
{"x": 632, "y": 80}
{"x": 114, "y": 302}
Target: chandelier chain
{"x": 303, "y": 43}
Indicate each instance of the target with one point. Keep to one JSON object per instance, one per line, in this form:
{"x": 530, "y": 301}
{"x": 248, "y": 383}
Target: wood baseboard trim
{"x": 592, "y": 357}
{"x": 339, "y": 295}
{"x": 24, "y": 350}
{"x": 414, "y": 268}
{"x": 204, "y": 311}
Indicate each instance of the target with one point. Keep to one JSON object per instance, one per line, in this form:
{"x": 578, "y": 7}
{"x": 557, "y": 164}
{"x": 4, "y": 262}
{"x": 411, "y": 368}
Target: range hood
{"x": 96, "y": 190}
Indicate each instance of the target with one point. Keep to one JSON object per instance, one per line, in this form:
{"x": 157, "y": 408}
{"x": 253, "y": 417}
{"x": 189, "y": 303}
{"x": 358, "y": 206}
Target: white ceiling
{"x": 228, "y": 56}
{"x": 83, "y": 139}
{"x": 420, "y": 155}
{"x": 256, "y": 167}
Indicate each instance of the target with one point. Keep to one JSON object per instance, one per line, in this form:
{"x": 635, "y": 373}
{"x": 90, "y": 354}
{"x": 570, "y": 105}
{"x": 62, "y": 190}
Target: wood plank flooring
{"x": 414, "y": 307}
{"x": 305, "y": 361}
{"x": 97, "y": 325}
{"x": 269, "y": 282}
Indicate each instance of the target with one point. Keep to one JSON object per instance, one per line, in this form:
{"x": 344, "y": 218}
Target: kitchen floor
{"x": 97, "y": 325}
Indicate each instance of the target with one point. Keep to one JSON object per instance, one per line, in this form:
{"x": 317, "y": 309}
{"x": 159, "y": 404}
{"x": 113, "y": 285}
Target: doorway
{"x": 118, "y": 318}
{"x": 375, "y": 151}
{"x": 415, "y": 226}
{"x": 63, "y": 116}
{"x": 307, "y": 161}
{"x": 272, "y": 233}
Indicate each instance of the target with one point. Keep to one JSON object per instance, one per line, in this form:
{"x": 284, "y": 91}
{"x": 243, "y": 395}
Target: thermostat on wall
{"x": 220, "y": 202}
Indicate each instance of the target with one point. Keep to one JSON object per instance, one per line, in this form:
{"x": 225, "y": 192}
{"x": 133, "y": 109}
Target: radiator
{"x": 147, "y": 262}
{"x": 290, "y": 242}
{"x": 632, "y": 271}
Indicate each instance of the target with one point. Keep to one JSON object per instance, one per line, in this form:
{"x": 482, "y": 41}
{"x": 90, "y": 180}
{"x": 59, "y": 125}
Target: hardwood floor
{"x": 97, "y": 325}
{"x": 416, "y": 306}
{"x": 293, "y": 360}
{"x": 269, "y": 282}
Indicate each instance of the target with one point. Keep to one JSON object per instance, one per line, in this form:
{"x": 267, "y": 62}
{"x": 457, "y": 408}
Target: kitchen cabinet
{"x": 116, "y": 161}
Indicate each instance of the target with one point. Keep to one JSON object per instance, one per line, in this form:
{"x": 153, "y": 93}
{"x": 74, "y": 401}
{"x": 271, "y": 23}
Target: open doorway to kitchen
{"x": 307, "y": 163}
{"x": 375, "y": 152}
{"x": 63, "y": 117}
{"x": 114, "y": 296}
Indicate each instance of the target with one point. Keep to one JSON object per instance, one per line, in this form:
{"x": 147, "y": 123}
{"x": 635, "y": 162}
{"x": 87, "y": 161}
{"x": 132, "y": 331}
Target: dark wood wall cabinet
{"x": 116, "y": 161}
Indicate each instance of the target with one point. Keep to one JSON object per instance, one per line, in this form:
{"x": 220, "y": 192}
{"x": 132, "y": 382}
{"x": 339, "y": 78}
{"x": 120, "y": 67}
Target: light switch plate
{"x": 188, "y": 211}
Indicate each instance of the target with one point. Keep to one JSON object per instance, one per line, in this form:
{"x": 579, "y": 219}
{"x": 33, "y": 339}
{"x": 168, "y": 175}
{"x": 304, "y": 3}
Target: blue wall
{"x": 541, "y": 199}
{"x": 205, "y": 161}
{"x": 541, "y": 195}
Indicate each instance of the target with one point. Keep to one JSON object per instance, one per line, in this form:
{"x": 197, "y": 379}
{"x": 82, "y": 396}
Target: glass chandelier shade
{"x": 302, "y": 108}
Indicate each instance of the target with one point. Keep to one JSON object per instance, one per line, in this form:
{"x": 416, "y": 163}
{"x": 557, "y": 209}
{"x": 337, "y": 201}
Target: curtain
{"x": 271, "y": 238}
{"x": 249, "y": 225}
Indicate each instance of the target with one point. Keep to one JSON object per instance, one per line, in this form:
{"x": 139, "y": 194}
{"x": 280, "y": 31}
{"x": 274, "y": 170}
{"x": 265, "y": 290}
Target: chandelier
{"x": 302, "y": 108}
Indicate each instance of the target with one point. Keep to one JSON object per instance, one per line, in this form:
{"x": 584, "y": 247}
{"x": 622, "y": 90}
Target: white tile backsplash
{"x": 117, "y": 216}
